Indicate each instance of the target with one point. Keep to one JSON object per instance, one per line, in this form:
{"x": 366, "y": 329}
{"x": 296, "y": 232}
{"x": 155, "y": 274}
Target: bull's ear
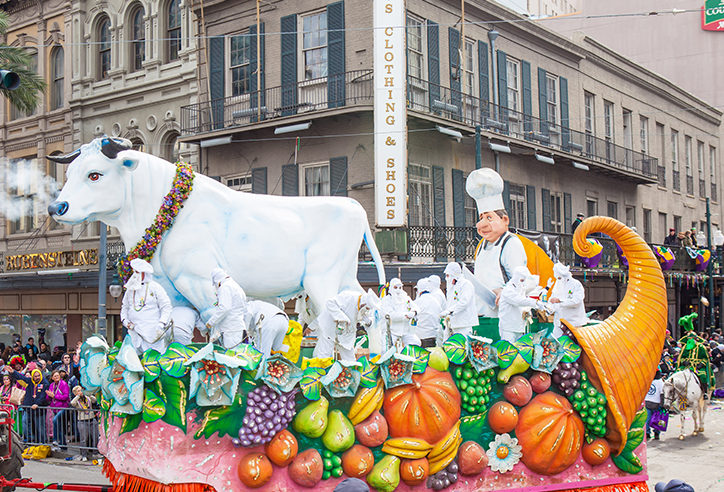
{"x": 128, "y": 162}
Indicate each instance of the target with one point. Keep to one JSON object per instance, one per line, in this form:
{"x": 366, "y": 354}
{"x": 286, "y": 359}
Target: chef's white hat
{"x": 141, "y": 266}
{"x": 486, "y": 187}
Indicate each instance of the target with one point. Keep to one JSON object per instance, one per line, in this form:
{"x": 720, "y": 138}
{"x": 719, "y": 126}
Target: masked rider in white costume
{"x": 401, "y": 310}
{"x": 227, "y": 322}
{"x": 461, "y": 308}
{"x": 515, "y": 300}
{"x": 429, "y": 307}
{"x": 337, "y": 323}
{"x": 566, "y": 299}
{"x": 267, "y": 325}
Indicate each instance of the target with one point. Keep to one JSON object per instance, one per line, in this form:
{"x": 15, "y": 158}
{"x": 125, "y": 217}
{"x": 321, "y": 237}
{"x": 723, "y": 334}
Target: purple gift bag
{"x": 659, "y": 420}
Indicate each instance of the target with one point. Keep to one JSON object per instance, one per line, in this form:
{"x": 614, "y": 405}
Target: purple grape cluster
{"x": 267, "y": 412}
{"x": 444, "y": 478}
{"x": 567, "y": 377}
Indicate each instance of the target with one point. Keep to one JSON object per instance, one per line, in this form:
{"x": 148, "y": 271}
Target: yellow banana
{"x": 406, "y": 447}
{"x": 365, "y": 402}
{"x": 441, "y": 461}
{"x": 444, "y": 444}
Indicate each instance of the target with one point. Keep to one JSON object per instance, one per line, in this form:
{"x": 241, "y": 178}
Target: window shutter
{"x": 503, "y": 85}
{"x": 433, "y": 61}
{"x": 438, "y": 205}
{"x": 258, "y": 180}
{"x": 506, "y": 195}
{"x": 455, "y": 75}
{"x": 543, "y": 101}
{"x": 335, "y": 49}
{"x": 527, "y": 99}
{"x": 530, "y": 202}
{"x": 289, "y": 64}
{"x": 565, "y": 130}
{"x": 567, "y": 212}
{"x": 546, "y": 209}
{"x": 484, "y": 79}
{"x": 338, "y": 176}
{"x": 217, "y": 70}
{"x": 290, "y": 180}
{"x": 458, "y": 191}
{"x": 255, "y": 65}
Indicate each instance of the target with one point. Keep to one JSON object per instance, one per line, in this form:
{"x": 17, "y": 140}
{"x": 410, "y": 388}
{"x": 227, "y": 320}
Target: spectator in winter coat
{"x": 87, "y": 425}
{"x": 35, "y": 397}
{"x": 58, "y": 394}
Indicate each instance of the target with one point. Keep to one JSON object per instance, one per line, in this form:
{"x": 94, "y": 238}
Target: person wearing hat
{"x": 400, "y": 311}
{"x": 515, "y": 301}
{"x": 566, "y": 299}
{"x": 577, "y": 222}
{"x": 672, "y": 239}
{"x": 146, "y": 309}
{"x": 337, "y": 325}
{"x": 499, "y": 252}
{"x": 228, "y": 320}
{"x": 460, "y": 308}
{"x": 429, "y": 307}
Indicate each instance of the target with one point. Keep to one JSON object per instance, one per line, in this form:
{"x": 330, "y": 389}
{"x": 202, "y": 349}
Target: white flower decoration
{"x": 504, "y": 453}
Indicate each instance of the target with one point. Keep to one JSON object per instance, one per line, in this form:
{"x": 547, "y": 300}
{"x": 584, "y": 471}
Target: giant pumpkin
{"x": 550, "y": 434}
{"x": 426, "y": 409}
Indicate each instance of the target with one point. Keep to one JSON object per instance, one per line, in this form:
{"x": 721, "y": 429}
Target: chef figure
{"x": 515, "y": 302}
{"x": 337, "y": 323}
{"x": 566, "y": 299}
{"x": 227, "y": 321}
{"x": 460, "y": 308}
{"x": 429, "y": 307}
{"x": 400, "y": 310}
{"x": 499, "y": 252}
{"x": 146, "y": 309}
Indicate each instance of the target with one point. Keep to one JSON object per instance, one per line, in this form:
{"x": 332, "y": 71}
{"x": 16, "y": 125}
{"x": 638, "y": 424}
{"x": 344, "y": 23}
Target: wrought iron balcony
{"x": 333, "y": 91}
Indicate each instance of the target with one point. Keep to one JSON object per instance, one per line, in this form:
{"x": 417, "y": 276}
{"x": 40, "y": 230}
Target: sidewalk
{"x": 61, "y": 471}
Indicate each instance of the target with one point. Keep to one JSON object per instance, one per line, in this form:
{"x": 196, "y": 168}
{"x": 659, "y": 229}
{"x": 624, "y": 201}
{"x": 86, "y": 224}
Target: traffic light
{"x": 9, "y": 80}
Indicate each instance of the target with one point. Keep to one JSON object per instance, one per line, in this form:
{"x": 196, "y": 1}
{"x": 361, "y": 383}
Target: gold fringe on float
{"x": 123, "y": 482}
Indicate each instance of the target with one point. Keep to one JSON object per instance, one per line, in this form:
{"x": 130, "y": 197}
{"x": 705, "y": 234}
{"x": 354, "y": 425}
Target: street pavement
{"x": 696, "y": 460}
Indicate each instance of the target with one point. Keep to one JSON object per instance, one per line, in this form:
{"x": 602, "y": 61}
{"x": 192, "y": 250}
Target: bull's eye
{"x": 94, "y": 176}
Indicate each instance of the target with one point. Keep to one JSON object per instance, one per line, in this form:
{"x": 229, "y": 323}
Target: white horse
{"x": 683, "y": 391}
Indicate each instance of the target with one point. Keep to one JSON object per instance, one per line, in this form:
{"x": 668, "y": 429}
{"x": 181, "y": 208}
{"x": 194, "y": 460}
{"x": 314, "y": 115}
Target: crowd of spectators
{"x": 54, "y": 408}
{"x": 681, "y": 238}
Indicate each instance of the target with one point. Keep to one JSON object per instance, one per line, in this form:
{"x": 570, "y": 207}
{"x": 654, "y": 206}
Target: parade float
{"x": 542, "y": 413}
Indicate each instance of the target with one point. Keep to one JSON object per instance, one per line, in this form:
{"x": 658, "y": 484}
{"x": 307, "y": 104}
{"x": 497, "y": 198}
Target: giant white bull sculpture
{"x": 272, "y": 246}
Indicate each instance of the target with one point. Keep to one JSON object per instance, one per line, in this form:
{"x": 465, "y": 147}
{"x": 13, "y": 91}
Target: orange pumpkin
{"x": 414, "y": 472}
{"x": 426, "y": 409}
{"x": 596, "y": 452}
{"x": 550, "y": 434}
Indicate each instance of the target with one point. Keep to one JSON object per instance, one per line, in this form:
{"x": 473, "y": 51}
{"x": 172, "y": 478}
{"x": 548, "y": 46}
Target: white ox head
{"x": 95, "y": 178}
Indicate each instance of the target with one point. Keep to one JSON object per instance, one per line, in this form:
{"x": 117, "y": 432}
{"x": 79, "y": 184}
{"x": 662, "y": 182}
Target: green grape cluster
{"x": 332, "y": 465}
{"x": 591, "y": 406}
{"x": 474, "y": 387}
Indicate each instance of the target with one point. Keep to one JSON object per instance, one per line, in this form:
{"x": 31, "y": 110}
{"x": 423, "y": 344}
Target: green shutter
{"x": 506, "y": 195}
{"x": 438, "y": 205}
{"x": 258, "y": 180}
{"x": 458, "y": 191}
{"x": 565, "y": 124}
{"x": 567, "y": 212}
{"x": 546, "y": 209}
{"x": 217, "y": 69}
{"x": 335, "y": 52}
{"x": 543, "y": 101}
{"x": 289, "y": 64}
{"x": 527, "y": 99}
{"x": 338, "y": 176}
{"x": 484, "y": 80}
{"x": 253, "y": 64}
{"x": 530, "y": 202}
{"x": 455, "y": 75}
{"x": 290, "y": 180}
{"x": 433, "y": 61}
{"x": 503, "y": 85}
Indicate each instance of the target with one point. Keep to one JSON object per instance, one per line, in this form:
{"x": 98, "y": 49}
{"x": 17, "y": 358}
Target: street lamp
{"x": 115, "y": 289}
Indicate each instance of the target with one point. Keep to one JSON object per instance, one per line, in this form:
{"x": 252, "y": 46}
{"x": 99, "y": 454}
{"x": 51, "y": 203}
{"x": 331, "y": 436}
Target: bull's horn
{"x": 112, "y": 146}
{"x": 64, "y": 159}
{"x": 621, "y": 354}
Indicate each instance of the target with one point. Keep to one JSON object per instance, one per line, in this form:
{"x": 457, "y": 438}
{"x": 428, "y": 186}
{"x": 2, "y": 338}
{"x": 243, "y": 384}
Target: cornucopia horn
{"x": 621, "y": 354}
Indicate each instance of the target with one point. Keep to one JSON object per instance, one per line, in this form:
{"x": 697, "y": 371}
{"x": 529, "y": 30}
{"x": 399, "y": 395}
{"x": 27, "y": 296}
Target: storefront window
{"x": 46, "y": 328}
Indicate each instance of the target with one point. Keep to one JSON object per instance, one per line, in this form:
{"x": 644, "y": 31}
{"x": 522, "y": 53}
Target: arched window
{"x": 56, "y": 74}
{"x": 137, "y": 144}
{"x": 138, "y": 37}
{"x": 15, "y": 112}
{"x": 171, "y": 147}
{"x": 104, "y": 48}
{"x": 173, "y": 33}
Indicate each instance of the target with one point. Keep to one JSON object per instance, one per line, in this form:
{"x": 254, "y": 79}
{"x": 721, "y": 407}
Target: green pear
{"x": 312, "y": 420}
{"x": 519, "y": 366}
{"x": 438, "y": 359}
{"x": 339, "y": 435}
{"x": 385, "y": 475}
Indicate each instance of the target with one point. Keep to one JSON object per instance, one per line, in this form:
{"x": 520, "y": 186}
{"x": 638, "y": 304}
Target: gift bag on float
{"x": 659, "y": 420}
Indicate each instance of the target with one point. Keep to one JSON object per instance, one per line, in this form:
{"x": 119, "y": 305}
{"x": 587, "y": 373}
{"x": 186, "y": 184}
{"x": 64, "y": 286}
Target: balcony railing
{"x": 333, "y": 91}
{"x": 469, "y": 110}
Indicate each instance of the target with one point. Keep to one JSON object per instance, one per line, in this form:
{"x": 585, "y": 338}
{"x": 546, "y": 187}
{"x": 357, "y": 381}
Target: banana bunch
{"x": 366, "y": 401}
{"x": 407, "y": 447}
{"x": 445, "y": 450}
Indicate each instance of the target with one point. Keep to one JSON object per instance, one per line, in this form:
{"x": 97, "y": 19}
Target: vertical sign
{"x": 712, "y": 15}
{"x": 390, "y": 113}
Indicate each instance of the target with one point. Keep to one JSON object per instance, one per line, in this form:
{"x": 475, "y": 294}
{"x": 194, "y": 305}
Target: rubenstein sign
{"x": 390, "y": 113}
{"x": 712, "y": 15}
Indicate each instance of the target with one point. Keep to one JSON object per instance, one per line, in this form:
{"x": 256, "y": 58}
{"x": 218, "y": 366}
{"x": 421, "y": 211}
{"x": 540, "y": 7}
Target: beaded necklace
{"x": 143, "y": 300}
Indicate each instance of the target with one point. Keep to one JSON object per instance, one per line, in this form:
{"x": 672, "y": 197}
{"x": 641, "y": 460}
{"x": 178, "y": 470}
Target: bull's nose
{"x": 57, "y": 208}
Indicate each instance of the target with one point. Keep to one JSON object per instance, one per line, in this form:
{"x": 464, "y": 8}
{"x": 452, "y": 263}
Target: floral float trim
{"x": 172, "y": 204}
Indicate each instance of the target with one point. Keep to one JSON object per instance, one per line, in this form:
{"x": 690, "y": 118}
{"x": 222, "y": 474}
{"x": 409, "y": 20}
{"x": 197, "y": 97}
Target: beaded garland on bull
{"x": 172, "y": 204}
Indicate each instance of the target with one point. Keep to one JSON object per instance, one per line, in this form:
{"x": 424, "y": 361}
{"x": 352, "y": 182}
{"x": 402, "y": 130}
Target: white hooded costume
{"x": 227, "y": 321}
{"x": 429, "y": 307}
{"x": 185, "y": 319}
{"x": 401, "y": 310}
{"x": 461, "y": 305}
{"x": 571, "y": 294}
{"x": 338, "y": 321}
{"x": 267, "y": 325}
{"x": 435, "y": 289}
{"x": 307, "y": 314}
{"x": 146, "y": 309}
{"x": 514, "y": 301}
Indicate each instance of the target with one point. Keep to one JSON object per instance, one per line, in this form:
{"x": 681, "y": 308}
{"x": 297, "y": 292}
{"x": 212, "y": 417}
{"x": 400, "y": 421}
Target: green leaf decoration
{"x": 455, "y": 348}
{"x": 571, "y": 351}
{"x": 174, "y": 393}
{"x": 506, "y": 353}
{"x": 225, "y": 420}
{"x": 369, "y": 372}
{"x": 310, "y": 384}
{"x": 420, "y": 355}
{"x": 153, "y": 407}
{"x": 627, "y": 461}
{"x": 172, "y": 362}
{"x": 113, "y": 353}
{"x": 131, "y": 422}
{"x": 151, "y": 366}
{"x": 526, "y": 347}
{"x": 251, "y": 356}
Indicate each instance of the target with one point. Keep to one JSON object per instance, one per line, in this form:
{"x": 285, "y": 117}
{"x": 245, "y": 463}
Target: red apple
{"x": 540, "y": 382}
{"x": 518, "y": 391}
